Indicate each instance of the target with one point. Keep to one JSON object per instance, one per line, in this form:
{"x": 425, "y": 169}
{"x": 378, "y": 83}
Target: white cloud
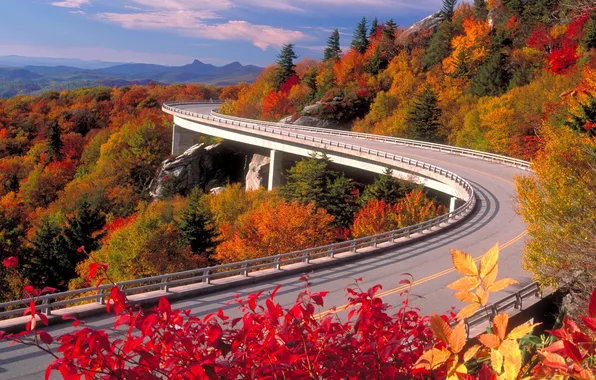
{"x": 192, "y": 23}
{"x": 71, "y": 3}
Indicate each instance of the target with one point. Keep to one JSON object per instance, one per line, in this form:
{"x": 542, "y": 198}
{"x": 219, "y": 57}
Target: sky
{"x": 175, "y": 32}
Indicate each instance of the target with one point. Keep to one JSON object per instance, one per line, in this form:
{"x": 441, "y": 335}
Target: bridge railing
{"x": 395, "y": 140}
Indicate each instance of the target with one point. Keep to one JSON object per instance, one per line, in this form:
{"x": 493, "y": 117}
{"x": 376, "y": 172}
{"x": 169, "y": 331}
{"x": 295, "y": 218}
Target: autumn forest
{"x": 511, "y": 77}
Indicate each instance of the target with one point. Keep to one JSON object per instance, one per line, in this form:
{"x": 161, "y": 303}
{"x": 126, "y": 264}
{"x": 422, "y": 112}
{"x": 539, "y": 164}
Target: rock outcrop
{"x": 430, "y": 22}
{"x": 205, "y": 166}
{"x": 258, "y": 172}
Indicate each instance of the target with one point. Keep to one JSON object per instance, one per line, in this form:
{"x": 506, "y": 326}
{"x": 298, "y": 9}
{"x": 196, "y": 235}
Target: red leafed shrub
{"x": 268, "y": 341}
{"x": 288, "y": 84}
{"x": 561, "y": 60}
{"x": 540, "y": 37}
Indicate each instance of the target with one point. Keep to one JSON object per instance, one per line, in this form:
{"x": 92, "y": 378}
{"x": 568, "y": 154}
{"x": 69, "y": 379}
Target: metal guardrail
{"x": 394, "y": 140}
{"x": 50, "y": 302}
{"x": 514, "y": 301}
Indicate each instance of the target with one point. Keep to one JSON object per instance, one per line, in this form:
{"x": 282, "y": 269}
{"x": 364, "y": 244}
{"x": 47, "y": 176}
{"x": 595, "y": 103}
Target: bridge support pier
{"x": 175, "y": 139}
{"x": 275, "y": 165}
{"x": 452, "y": 203}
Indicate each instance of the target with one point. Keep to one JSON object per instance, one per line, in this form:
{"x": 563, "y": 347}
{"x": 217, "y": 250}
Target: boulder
{"x": 430, "y": 22}
{"x": 258, "y": 172}
{"x": 205, "y": 166}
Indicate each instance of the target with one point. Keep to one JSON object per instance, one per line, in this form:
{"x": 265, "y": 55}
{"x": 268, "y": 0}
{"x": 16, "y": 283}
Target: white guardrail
{"x": 49, "y": 302}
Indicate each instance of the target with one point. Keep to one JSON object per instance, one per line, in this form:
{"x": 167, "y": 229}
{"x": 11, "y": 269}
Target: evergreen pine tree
{"x": 55, "y": 142}
{"x": 373, "y": 28}
{"x": 589, "y": 38}
{"x": 285, "y": 63}
{"x": 333, "y": 50}
{"x": 386, "y": 187}
{"x": 389, "y": 30}
{"x": 374, "y": 63}
{"x": 440, "y": 45}
{"x": 312, "y": 181}
{"x": 448, "y": 9}
{"x": 82, "y": 229}
{"x": 492, "y": 78}
{"x": 360, "y": 39}
{"x": 45, "y": 263}
{"x": 480, "y": 10}
{"x": 12, "y": 184}
{"x": 424, "y": 116}
{"x": 196, "y": 226}
{"x": 310, "y": 79}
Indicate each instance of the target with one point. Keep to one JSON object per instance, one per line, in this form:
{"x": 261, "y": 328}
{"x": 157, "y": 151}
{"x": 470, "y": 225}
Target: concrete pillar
{"x": 175, "y": 140}
{"x": 275, "y": 165}
{"x": 452, "y": 204}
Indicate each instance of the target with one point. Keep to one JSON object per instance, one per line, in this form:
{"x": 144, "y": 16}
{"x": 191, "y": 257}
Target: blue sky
{"x": 174, "y": 32}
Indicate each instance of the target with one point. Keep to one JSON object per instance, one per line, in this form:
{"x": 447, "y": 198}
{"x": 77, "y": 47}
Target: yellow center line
{"x": 418, "y": 282}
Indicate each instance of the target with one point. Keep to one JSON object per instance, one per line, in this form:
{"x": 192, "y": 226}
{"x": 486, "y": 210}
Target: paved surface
{"x": 494, "y": 220}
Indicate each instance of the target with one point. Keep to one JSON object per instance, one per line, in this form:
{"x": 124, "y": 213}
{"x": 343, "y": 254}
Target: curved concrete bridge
{"x": 485, "y": 215}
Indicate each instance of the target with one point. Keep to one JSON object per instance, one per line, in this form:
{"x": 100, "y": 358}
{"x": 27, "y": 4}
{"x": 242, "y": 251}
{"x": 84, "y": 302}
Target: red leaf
{"x": 47, "y": 289}
{"x": 164, "y": 308}
{"x": 590, "y": 323}
{"x": 93, "y": 271}
{"x": 486, "y": 373}
{"x": 592, "y": 306}
{"x": 573, "y": 351}
{"x": 43, "y": 318}
{"x": 45, "y": 337}
{"x": 11, "y": 262}
{"x": 29, "y": 289}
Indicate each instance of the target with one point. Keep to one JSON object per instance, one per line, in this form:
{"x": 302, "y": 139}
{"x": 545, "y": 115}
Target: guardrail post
{"x": 518, "y": 301}
{"x": 306, "y": 258}
{"x": 245, "y": 269}
{"x": 375, "y": 242}
{"x": 207, "y": 276}
{"x": 164, "y": 284}
{"x": 330, "y": 252}
{"x": 353, "y": 247}
{"x": 100, "y": 299}
{"x": 45, "y": 307}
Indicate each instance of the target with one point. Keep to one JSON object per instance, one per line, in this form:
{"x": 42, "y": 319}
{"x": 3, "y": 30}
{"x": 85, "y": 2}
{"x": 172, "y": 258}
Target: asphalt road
{"x": 493, "y": 221}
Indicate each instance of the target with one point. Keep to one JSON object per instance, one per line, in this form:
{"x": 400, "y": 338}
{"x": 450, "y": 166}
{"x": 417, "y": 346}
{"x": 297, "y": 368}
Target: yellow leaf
{"x": 464, "y": 263}
{"x": 501, "y": 284}
{"x": 432, "y": 359}
{"x": 490, "y": 340}
{"x": 522, "y": 330}
{"x": 457, "y": 341}
{"x": 496, "y": 360}
{"x": 471, "y": 352}
{"x": 440, "y": 328}
{"x": 491, "y": 277}
{"x": 512, "y": 359}
{"x": 465, "y": 283}
{"x": 500, "y": 325}
{"x": 467, "y": 311}
{"x": 466, "y": 296}
{"x": 461, "y": 369}
{"x": 489, "y": 260}
{"x": 482, "y": 296}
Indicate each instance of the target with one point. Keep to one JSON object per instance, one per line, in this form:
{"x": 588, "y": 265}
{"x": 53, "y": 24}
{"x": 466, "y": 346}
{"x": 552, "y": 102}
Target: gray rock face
{"x": 430, "y": 22}
{"x": 258, "y": 172}
{"x": 205, "y": 166}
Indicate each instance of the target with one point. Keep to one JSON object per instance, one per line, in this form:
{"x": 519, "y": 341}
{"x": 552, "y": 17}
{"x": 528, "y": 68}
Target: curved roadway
{"x": 428, "y": 261}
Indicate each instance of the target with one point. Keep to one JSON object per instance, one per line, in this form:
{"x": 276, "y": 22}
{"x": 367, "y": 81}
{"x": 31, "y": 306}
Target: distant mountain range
{"x": 24, "y": 75}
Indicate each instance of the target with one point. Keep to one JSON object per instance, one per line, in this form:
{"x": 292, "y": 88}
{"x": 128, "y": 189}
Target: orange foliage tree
{"x": 274, "y": 228}
{"x": 377, "y": 216}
